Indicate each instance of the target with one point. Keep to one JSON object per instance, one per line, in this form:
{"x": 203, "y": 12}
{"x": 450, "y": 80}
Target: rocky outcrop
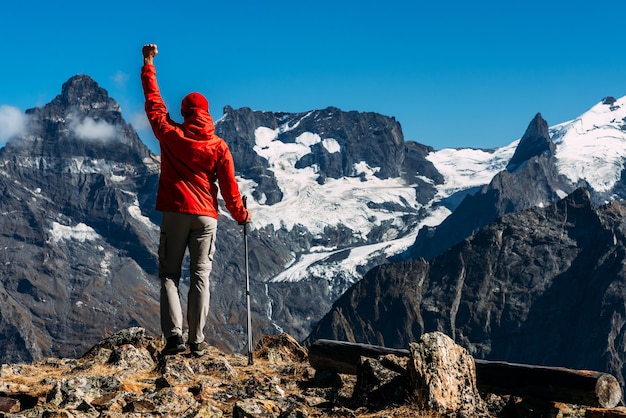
{"x": 444, "y": 376}
{"x": 124, "y": 375}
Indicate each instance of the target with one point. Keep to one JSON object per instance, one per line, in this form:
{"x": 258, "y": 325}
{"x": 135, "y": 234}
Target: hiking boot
{"x": 174, "y": 345}
{"x": 199, "y": 349}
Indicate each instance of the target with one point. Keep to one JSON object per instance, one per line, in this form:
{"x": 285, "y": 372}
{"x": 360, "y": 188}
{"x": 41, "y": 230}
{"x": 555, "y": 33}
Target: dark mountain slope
{"x": 70, "y": 271}
{"x": 541, "y": 286}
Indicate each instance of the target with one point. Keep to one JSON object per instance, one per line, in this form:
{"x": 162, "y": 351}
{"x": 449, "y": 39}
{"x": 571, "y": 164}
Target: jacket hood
{"x": 199, "y": 125}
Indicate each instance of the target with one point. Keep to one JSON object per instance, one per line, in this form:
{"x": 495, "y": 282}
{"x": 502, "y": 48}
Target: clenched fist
{"x": 149, "y": 52}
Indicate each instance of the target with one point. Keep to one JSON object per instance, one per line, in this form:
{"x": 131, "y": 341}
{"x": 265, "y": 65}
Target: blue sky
{"x": 453, "y": 73}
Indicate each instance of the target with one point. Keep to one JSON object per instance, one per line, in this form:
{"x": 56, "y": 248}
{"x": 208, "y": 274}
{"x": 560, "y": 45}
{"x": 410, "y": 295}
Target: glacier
{"x": 583, "y": 148}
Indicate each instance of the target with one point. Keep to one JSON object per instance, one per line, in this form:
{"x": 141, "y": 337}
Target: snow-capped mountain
{"x": 547, "y": 164}
{"x": 362, "y": 202}
{"x": 333, "y": 194}
{"x": 591, "y": 149}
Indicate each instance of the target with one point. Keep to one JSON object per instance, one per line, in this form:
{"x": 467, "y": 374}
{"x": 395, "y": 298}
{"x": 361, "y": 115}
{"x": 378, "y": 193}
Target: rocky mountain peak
{"x": 342, "y": 144}
{"x": 536, "y": 141}
{"x": 609, "y": 100}
{"x": 82, "y": 121}
{"x": 83, "y": 92}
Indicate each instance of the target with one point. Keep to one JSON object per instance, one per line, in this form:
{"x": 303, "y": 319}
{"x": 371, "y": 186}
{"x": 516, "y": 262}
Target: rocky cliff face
{"x": 541, "y": 286}
{"x": 369, "y": 138}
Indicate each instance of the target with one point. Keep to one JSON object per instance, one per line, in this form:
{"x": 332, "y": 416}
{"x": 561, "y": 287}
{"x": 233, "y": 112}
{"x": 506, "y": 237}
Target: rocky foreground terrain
{"x": 124, "y": 375}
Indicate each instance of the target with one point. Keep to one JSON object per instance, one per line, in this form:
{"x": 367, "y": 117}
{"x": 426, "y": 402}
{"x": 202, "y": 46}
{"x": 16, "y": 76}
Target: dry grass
{"x": 39, "y": 378}
{"x": 400, "y": 412}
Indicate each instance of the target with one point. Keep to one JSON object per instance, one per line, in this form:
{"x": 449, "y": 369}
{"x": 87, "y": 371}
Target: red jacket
{"x": 193, "y": 159}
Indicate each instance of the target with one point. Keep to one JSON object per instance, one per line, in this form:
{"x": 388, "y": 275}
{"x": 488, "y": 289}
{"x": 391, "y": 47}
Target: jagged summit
{"x": 536, "y": 141}
{"x": 331, "y": 143}
{"x": 609, "y": 100}
{"x": 81, "y": 94}
{"x": 81, "y": 90}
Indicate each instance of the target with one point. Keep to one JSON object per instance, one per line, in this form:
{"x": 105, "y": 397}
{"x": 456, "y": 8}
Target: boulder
{"x": 443, "y": 377}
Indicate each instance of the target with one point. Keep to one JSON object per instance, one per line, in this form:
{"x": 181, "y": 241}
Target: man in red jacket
{"x": 194, "y": 161}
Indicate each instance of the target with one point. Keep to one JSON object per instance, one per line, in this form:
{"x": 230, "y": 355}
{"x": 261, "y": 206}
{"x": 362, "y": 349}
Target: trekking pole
{"x": 245, "y": 249}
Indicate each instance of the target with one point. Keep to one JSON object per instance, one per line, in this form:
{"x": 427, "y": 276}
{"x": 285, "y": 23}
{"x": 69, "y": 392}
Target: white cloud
{"x": 139, "y": 121}
{"x": 120, "y": 79}
{"x": 12, "y": 122}
{"x": 90, "y": 129}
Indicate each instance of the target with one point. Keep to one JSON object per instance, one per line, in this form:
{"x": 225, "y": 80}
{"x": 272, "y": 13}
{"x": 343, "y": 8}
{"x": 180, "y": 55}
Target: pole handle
{"x": 244, "y": 199}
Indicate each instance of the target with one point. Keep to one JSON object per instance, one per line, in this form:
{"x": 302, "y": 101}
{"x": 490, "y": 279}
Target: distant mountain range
{"x": 516, "y": 273}
{"x": 334, "y": 194}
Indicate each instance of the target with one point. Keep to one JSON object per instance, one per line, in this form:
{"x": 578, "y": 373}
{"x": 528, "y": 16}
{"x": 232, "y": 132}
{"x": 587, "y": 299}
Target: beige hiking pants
{"x": 181, "y": 231}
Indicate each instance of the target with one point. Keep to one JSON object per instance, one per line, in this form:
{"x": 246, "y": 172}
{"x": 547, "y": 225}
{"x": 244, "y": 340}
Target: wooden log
{"x": 343, "y": 356}
{"x": 555, "y": 384}
{"x": 579, "y": 387}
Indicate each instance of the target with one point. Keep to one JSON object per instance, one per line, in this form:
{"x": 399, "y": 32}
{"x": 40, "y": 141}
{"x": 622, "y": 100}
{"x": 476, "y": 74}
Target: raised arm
{"x": 155, "y": 107}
